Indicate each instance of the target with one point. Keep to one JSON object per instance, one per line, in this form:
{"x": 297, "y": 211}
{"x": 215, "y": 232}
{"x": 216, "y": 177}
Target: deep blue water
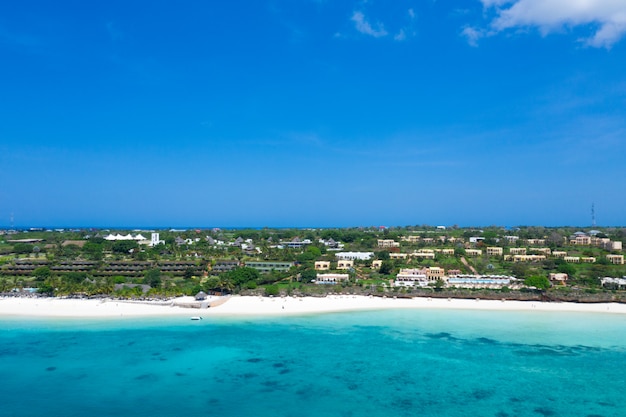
{"x": 389, "y": 363}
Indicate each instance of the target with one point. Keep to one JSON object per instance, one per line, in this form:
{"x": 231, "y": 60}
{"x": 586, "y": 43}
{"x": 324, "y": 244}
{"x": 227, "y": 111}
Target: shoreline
{"x": 241, "y": 306}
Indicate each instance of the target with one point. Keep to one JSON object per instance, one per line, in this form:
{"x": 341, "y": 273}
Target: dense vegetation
{"x": 83, "y": 262}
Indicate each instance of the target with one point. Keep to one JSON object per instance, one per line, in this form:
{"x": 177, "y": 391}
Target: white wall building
{"x": 351, "y": 256}
{"x": 331, "y": 279}
{"x": 411, "y": 277}
{"x": 154, "y": 240}
{"x": 480, "y": 281}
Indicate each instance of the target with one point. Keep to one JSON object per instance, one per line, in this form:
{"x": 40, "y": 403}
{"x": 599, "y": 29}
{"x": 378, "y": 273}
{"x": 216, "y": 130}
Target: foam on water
{"x": 387, "y": 363}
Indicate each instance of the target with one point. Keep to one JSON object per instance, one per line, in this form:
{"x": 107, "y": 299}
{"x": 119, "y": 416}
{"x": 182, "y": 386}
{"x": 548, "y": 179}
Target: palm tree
{"x": 4, "y": 286}
{"x": 226, "y": 284}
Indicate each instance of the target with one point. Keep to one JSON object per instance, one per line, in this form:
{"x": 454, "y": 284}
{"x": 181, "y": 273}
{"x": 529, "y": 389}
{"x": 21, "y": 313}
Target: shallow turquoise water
{"x": 389, "y": 363}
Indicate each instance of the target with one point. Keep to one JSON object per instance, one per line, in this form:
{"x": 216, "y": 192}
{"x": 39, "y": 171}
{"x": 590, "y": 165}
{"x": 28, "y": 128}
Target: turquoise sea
{"x": 383, "y": 363}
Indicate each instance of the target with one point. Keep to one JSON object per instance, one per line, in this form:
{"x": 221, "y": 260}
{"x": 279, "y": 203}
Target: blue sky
{"x": 313, "y": 113}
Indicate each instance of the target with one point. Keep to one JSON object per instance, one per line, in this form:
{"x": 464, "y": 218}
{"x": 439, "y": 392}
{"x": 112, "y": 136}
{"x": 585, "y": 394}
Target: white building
{"x": 480, "y": 281}
{"x": 351, "y": 256}
{"x": 112, "y": 237}
{"x": 411, "y": 277}
{"x": 331, "y": 279}
{"x": 617, "y": 283}
{"x": 154, "y": 240}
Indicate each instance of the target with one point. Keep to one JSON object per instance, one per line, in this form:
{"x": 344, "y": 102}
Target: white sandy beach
{"x": 258, "y": 306}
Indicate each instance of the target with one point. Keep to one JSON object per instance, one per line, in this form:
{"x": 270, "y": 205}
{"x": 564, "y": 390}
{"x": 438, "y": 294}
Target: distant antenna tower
{"x": 593, "y": 215}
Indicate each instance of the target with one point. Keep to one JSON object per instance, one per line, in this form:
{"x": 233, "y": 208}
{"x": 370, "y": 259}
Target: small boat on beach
{"x": 196, "y": 318}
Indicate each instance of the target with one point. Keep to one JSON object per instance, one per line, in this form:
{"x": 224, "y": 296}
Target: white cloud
{"x": 400, "y": 36}
{"x": 608, "y": 17}
{"x": 411, "y": 13}
{"x": 363, "y": 26}
{"x": 472, "y": 35}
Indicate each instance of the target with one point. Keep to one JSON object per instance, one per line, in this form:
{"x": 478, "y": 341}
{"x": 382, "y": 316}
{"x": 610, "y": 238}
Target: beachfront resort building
{"x": 607, "y": 244}
{"x": 558, "y": 278}
{"x": 224, "y": 266}
{"x": 581, "y": 240}
{"x": 615, "y": 259}
{"x": 434, "y": 273}
{"x": 411, "y": 277}
{"x": 494, "y": 251}
{"x": 517, "y": 251}
{"x": 155, "y": 240}
{"x": 388, "y": 243}
{"x": 529, "y": 258}
{"x": 322, "y": 265}
{"x": 414, "y": 277}
{"x": 541, "y": 251}
{"x": 473, "y": 252}
{"x": 331, "y": 278}
{"x": 572, "y": 259}
{"x": 351, "y": 256}
{"x": 480, "y": 281}
{"x": 297, "y": 243}
{"x": 345, "y": 264}
{"x": 269, "y": 266}
{"x": 332, "y": 244}
{"x": 397, "y": 255}
{"x": 411, "y": 239}
{"x": 511, "y": 239}
{"x": 614, "y": 246}
{"x": 376, "y": 264}
{"x": 614, "y": 283}
{"x": 424, "y": 254}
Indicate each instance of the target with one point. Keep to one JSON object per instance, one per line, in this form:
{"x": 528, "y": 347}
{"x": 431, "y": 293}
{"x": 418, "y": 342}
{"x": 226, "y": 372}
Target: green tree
{"x": 240, "y": 276}
{"x": 42, "y": 273}
{"x": 306, "y": 256}
{"x": 519, "y": 270}
{"x": 74, "y": 277}
{"x": 45, "y": 288}
{"x": 4, "y": 284}
{"x": 212, "y": 283}
{"x": 566, "y": 268}
{"x": 308, "y": 276}
{"x": 271, "y": 290}
{"x": 153, "y": 278}
{"x": 386, "y": 267}
{"x": 22, "y": 248}
{"x": 383, "y": 255}
{"x": 93, "y": 250}
{"x": 189, "y": 273}
{"x": 537, "y": 281}
{"x": 124, "y": 246}
{"x": 314, "y": 250}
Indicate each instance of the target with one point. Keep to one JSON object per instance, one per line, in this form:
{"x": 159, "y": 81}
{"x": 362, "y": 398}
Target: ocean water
{"x": 385, "y": 363}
